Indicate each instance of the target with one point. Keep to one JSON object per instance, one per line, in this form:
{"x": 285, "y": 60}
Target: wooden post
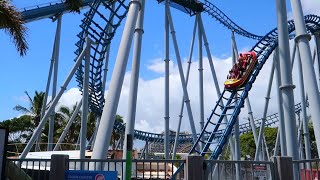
{"x": 59, "y": 163}
{"x": 194, "y": 168}
{"x": 283, "y": 167}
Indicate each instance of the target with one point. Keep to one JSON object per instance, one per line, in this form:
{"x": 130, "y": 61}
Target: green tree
{"x": 314, "y": 152}
{"x": 11, "y": 21}
{"x": 20, "y": 128}
{"x": 72, "y": 135}
{"x": 66, "y": 112}
{"x": 34, "y": 111}
{"x": 247, "y": 144}
{"x": 74, "y": 5}
{"x": 115, "y": 135}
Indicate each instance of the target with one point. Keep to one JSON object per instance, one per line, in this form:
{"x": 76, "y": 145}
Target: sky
{"x": 29, "y": 73}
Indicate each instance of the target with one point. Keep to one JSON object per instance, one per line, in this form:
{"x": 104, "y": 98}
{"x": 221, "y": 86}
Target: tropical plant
{"x": 115, "y": 135}
{"x": 72, "y": 135}
{"x": 19, "y": 128}
{"x": 66, "y": 112}
{"x": 11, "y": 21}
{"x": 74, "y": 5}
{"x": 35, "y": 107}
{"x": 248, "y": 146}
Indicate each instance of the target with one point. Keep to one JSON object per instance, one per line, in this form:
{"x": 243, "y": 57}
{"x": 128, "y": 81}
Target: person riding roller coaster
{"x": 241, "y": 70}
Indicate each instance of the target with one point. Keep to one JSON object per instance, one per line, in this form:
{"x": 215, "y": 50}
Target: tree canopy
{"x": 12, "y": 23}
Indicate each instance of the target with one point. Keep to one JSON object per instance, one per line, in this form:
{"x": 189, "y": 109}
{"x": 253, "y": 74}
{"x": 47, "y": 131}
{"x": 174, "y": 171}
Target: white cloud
{"x": 69, "y": 98}
{"x": 150, "y": 103}
{"x": 311, "y": 6}
{"x": 157, "y": 67}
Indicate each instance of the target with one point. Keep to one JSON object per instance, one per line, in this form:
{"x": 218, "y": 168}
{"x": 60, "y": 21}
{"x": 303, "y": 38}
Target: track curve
{"x": 219, "y": 136}
{"x": 217, "y": 14}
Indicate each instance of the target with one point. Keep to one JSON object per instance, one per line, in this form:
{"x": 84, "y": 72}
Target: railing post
{"x": 194, "y": 167}
{"x": 283, "y": 167}
{"x": 59, "y": 163}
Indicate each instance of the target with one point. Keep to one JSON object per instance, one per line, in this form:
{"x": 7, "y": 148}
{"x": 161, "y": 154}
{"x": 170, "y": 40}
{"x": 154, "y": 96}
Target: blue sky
{"x": 29, "y": 73}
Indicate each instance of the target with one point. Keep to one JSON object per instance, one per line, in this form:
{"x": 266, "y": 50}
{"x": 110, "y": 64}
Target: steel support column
{"x": 260, "y": 138}
{"x": 310, "y": 82}
{"x": 109, "y": 111}
{"x": 132, "y": 102}
{"x": 276, "y": 146}
{"x": 44, "y": 102}
{"x": 176, "y": 141}
{"x": 85, "y": 103}
{"x": 213, "y": 73}
{"x": 286, "y": 82}
{"x": 305, "y": 128}
{"x": 200, "y": 69}
{"x": 166, "y": 83}
{"x": 236, "y": 126}
{"x": 104, "y": 78}
{"x": 183, "y": 81}
{"x": 282, "y": 136}
{"x": 54, "y": 83}
{"x": 317, "y": 50}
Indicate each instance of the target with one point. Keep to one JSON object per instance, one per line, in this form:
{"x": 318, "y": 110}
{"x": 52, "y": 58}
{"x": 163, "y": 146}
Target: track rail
{"x": 96, "y": 25}
{"x": 218, "y": 137}
{"x": 48, "y": 10}
{"x": 217, "y": 14}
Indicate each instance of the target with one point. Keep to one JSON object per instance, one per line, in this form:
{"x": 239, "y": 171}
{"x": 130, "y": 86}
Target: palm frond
{"x": 11, "y": 21}
{"x": 22, "y": 109}
{"x": 30, "y": 99}
{"x": 74, "y": 5}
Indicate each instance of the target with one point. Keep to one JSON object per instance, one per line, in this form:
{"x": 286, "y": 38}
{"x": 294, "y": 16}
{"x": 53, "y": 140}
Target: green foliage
{"x": 313, "y": 144}
{"x": 247, "y": 144}
{"x": 20, "y": 129}
{"x": 12, "y": 23}
{"x": 74, "y": 5}
{"x": 34, "y": 111}
{"x": 115, "y": 136}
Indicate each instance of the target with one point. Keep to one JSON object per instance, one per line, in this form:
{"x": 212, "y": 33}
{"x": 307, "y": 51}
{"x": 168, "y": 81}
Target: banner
{"x": 90, "y": 175}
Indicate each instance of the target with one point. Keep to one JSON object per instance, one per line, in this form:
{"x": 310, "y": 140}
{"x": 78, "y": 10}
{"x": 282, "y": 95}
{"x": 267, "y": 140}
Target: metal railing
{"x": 247, "y": 170}
{"x": 308, "y": 169}
{"x": 39, "y": 169}
{"x": 141, "y": 169}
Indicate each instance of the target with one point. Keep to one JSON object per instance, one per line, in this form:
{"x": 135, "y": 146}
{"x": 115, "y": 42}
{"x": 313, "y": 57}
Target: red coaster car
{"x": 241, "y": 70}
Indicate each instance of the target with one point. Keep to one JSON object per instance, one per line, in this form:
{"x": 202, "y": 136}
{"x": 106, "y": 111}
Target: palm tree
{"x": 74, "y": 130}
{"x": 35, "y": 107}
{"x": 74, "y": 5}
{"x": 115, "y": 136}
{"x": 11, "y": 21}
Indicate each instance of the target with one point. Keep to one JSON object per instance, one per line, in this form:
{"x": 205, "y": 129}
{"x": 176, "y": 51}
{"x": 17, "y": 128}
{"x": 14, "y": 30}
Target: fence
{"x": 141, "y": 169}
{"x": 248, "y": 170}
{"x": 308, "y": 169}
{"x": 193, "y": 168}
{"x": 39, "y": 169}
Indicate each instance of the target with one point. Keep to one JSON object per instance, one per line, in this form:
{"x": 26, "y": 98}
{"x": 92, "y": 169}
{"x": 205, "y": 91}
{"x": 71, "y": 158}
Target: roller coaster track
{"x": 217, "y": 14}
{"x": 234, "y": 100}
{"x": 95, "y": 25}
{"x": 47, "y": 10}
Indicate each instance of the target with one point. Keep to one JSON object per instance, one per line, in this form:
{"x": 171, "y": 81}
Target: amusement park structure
{"x": 222, "y": 128}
